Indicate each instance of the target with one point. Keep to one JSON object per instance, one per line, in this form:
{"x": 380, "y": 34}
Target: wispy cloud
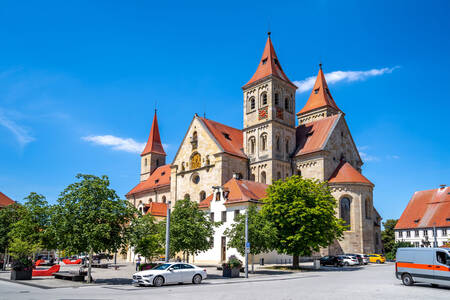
{"x": 116, "y": 143}
{"x": 307, "y": 84}
{"x": 393, "y": 156}
{"x": 20, "y": 133}
{"x": 365, "y": 156}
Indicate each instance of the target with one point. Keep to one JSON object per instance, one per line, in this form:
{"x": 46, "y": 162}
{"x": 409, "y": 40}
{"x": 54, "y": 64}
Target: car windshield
{"x": 162, "y": 267}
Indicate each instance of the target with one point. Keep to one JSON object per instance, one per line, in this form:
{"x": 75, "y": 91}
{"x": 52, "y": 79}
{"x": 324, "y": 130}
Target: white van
{"x": 428, "y": 265}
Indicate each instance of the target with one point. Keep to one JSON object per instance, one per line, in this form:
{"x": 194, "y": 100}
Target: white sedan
{"x": 170, "y": 273}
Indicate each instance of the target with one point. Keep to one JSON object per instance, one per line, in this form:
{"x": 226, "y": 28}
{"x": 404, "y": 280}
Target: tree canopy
{"x": 8, "y": 216}
{"x": 190, "y": 230}
{"x": 260, "y": 232}
{"x": 147, "y": 237}
{"x": 302, "y": 211}
{"x": 388, "y": 235}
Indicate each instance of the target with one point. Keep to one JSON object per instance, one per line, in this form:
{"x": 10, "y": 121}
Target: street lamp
{"x": 167, "y": 232}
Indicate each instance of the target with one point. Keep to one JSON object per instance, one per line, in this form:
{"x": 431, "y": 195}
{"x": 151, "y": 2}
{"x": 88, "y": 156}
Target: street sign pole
{"x": 167, "y": 232}
{"x": 247, "y": 249}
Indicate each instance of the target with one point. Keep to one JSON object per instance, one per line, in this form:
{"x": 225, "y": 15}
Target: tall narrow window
{"x": 277, "y": 99}
{"x": 286, "y": 103}
{"x": 164, "y": 199}
{"x": 278, "y": 143}
{"x": 252, "y": 103}
{"x": 224, "y": 216}
{"x": 251, "y": 145}
{"x": 264, "y": 99}
{"x": 287, "y": 146}
{"x": 202, "y": 195}
{"x": 263, "y": 142}
{"x": 345, "y": 211}
{"x": 263, "y": 177}
{"x": 278, "y": 175}
{"x": 145, "y": 162}
{"x": 368, "y": 214}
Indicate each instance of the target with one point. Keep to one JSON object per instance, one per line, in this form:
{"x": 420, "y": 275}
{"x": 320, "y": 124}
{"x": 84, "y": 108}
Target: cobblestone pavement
{"x": 370, "y": 282}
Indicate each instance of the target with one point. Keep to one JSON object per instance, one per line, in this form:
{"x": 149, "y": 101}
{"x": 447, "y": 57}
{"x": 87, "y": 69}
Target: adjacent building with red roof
{"x": 425, "y": 222}
{"x": 275, "y": 142}
{"x": 5, "y": 200}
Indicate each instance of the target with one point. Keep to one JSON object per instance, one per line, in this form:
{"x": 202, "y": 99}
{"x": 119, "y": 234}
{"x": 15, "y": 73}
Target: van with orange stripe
{"x": 427, "y": 265}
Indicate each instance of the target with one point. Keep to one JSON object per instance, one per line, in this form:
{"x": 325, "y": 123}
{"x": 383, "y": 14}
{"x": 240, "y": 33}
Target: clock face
{"x": 263, "y": 114}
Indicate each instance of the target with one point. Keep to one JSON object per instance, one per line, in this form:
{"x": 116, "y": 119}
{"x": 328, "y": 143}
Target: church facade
{"x": 214, "y": 159}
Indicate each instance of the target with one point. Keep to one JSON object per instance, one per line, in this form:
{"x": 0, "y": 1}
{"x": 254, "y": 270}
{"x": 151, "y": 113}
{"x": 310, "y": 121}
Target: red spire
{"x": 320, "y": 95}
{"x": 269, "y": 65}
{"x": 154, "y": 140}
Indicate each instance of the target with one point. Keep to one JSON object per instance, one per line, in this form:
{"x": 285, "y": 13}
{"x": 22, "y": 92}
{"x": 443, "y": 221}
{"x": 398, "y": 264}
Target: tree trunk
{"x": 253, "y": 264}
{"x": 295, "y": 261}
{"x": 4, "y": 260}
{"x": 89, "y": 279}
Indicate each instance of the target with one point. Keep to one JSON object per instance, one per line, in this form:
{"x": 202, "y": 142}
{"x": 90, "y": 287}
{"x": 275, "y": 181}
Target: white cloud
{"x": 116, "y": 143}
{"x": 21, "y": 134}
{"x": 307, "y": 84}
{"x": 365, "y": 156}
{"x": 393, "y": 157}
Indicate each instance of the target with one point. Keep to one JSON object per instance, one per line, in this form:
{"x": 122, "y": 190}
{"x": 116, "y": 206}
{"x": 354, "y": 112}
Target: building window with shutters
{"x": 211, "y": 216}
{"x": 408, "y": 233}
{"x": 224, "y": 216}
{"x": 416, "y": 233}
{"x": 236, "y": 214}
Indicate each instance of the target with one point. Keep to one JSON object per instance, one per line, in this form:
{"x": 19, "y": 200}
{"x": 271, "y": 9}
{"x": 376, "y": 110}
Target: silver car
{"x": 170, "y": 273}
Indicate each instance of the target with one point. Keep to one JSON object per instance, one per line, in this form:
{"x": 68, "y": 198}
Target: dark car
{"x": 331, "y": 260}
{"x": 359, "y": 257}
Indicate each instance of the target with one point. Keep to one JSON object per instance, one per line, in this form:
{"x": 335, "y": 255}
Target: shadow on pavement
{"x": 114, "y": 281}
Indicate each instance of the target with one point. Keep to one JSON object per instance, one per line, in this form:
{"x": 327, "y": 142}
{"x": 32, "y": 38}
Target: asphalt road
{"x": 371, "y": 282}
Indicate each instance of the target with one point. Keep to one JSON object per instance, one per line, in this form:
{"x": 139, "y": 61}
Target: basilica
{"x": 225, "y": 169}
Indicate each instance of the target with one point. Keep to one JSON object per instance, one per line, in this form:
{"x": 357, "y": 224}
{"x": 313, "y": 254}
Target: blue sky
{"x": 96, "y": 68}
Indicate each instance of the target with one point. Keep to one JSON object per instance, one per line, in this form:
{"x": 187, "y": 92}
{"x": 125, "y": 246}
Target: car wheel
{"x": 407, "y": 280}
{"x": 346, "y": 264}
{"x": 378, "y": 262}
{"x": 158, "y": 281}
{"x": 197, "y": 279}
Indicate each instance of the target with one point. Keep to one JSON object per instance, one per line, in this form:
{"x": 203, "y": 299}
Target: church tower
{"x": 320, "y": 103}
{"x": 269, "y": 119}
{"x": 153, "y": 155}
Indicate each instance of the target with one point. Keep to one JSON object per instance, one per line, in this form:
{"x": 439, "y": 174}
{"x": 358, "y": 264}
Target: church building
{"x": 225, "y": 168}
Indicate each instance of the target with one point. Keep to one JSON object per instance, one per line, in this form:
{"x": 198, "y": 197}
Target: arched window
{"x": 145, "y": 162}
{"x": 287, "y": 146}
{"x": 252, "y": 177}
{"x": 263, "y": 177}
{"x": 286, "y": 103}
{"x": 278, "y": 175}
{"x": 164, "y": 200}
{"x": 202, "y": 195}
{"x": 263, "y": 142}
{"x": 277, "y": 99}
{"x": 194, "y": 140}
{"x": 278, "y": 143}
{"x": 183, "y": 168}
{"x": 195, "y": 178}
{"x": 195, "y": 136}
{"x": 251, "y": 145}
{"x": 196, "y": 161}
{"x": 345, "y": 211}
{"x": 368, "y": 210}
{"x": 263, "y": 99}
{"x": 252, "y": 103}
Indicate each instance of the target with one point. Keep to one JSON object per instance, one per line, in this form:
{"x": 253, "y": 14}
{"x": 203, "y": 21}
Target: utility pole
{"x": 435, "y": 235}
{"x": 168, "y": 232}
{"x": 247, "y": 245}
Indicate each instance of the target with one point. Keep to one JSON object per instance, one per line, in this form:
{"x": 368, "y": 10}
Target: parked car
{"x": 428, "y": 265}
{"x": 359, "y": 257}
{"x": 366, "y": 258}
{"x": 331, "y": 260}
{"x": 348, "y": 260}
{"x": 377, "y": 258}
{"x": 170, "y": 273}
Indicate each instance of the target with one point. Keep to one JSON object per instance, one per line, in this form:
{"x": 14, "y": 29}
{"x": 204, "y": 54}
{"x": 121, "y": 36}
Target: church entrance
{"x": 223, "y": 247}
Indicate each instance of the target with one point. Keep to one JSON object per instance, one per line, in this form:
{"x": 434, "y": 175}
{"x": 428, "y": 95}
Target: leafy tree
{"x": 303, "y": 213}
{"x": 260, "y": 233}
{"x": 8, "y": 217}
{"x": 147, "y": 237}
{"x": 388, "y": 235}
{"x": 90, "y": 217}
{"x": 190, "y": 229}
{"x": 391, "y": 254}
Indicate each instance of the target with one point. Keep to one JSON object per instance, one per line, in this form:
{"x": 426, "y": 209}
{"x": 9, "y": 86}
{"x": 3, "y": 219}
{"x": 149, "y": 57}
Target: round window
{"x": 196, "y": 179}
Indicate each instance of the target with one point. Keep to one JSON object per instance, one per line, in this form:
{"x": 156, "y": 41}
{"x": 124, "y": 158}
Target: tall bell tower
{"x": 269, "y": 119}
{"x": 153, "y": 155}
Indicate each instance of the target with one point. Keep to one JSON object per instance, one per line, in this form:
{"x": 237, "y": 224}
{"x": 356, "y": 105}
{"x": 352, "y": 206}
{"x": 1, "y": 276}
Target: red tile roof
{"x": 312, "y": 137}
{"x": 157, "y": 209}
{"x": 269, "y": 65}
{"x": 229, "y": 138}
{"x": 154, "y": 140}
{"x": 159, "y": 178}
{"x": 320, "y": 95}
{"x": 5, "y": 200}
{"x": 345, "y": 173}
{"x": 240, "y": 191}
{"x": 427, "y": 209}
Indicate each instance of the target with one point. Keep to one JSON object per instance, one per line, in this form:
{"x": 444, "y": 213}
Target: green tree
{"x": 190, "y": 229}
{"x": 393, "y": 252}
{"x": 147, "y": 237}
{"x": 8, "y": 217}
{"x": 388, "y": 235}
{"x": 91, "y": 218}
{"x": 260, "y": 233}
{"x": 303, "y": 214}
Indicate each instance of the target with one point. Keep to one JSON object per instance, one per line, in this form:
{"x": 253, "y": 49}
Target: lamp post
{"x": 247, "y": 246}
{"x": 435, "y": 235}
{"x": 168, "y": 232}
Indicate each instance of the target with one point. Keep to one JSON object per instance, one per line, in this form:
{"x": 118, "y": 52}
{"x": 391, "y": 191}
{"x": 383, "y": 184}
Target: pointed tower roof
{"x": 154, "y": 140}
{"x": 320, "y": 95}
{"x": 269, "y": 65}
